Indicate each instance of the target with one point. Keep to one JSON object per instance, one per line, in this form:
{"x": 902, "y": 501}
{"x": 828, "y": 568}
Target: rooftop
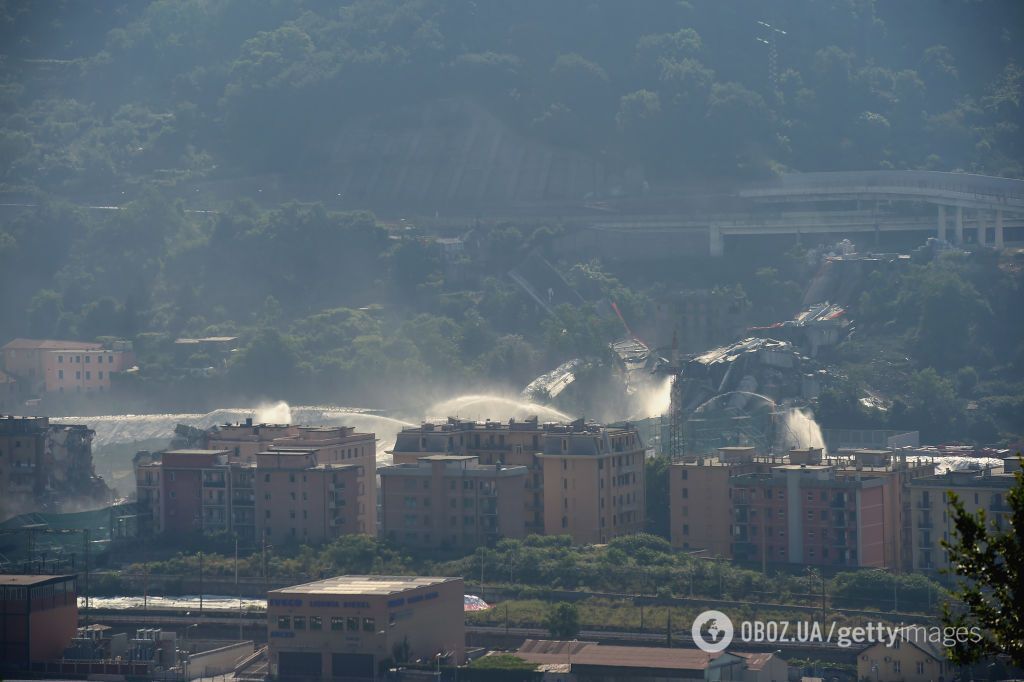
{"x": 363, "y": 584}
{"x": 49, "y": 344}
{"x": 29, "y": 580}
{"x": 593, "y": 654}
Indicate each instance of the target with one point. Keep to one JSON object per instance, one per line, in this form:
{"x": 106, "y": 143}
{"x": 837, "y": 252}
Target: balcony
{"x": 214, "y": 484}
{"x": 244, "y": 500}
{"x": 925, "y": 522}
{"x": 837, "y": 502}
{"x": 923, "y": 504}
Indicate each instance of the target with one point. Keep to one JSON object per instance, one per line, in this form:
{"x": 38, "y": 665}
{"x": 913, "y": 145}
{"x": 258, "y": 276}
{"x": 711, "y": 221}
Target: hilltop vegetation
{"x": 166, "y": 106}
{"x": 96, "y": 96}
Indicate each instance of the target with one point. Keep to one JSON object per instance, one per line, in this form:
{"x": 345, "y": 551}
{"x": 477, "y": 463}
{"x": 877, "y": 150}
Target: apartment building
{"x": 298, "y": 498}
{"x": 593, "y": 481}
{"x": 24, "y": 359}
{"x": 287, "y": 495}
{"x": 51, "y": 366}
{"x": 700, "y": 508}
{"x": 583, "y": 479}
{"x": 88, "y": 370}
{"x": 44, "y": 465}
{"x": 345, "y": 446}
{"x": 931, "y": 518}
{"x": 452, "y": 501}
{"x": 809, "y": 514}
{"x": 245, "y": 439}
{"x": 179, "y": 492}
{"x": 513, "y": 443}
{"x": 898, "y": 471}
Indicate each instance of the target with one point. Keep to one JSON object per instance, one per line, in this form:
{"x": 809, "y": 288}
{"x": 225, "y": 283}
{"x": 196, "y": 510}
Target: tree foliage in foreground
{"x": 990, "y": 564}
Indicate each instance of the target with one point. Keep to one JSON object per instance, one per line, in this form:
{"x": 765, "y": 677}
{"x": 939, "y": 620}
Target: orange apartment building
{"x": 707, "y": 511}
{"x": 452, "y": 501}
{"x": 351, "y": 626}
{"x": 287, "y": 495}
{"x": 38, "y": 618}
{"x": 592, "y": 488}
{"x": 809, "y": 514}
{"x": 593, "y": 481}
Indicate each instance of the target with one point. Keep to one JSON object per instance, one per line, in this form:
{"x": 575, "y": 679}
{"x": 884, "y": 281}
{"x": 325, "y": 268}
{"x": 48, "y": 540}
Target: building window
{"x": 337, "y": 623}
{"x": 368, "y": 625}
{"x": 60, "y": 374}
{"x": 686, "y": 493}
{"x": 352, "y": 623}
{"x": 101, "y": 375}
{"x": 88, "y": 375}
{"x": 284, "y": 623}
{"x": 299, "y": 622}
{"x": 78, "y": 375}
{"x": 920, "y": 668}
{"x": 87, "y": 359}
{"x": 316, "y": 623}
{"x": 896, "y": 666}
{"x": 686, "y": 529}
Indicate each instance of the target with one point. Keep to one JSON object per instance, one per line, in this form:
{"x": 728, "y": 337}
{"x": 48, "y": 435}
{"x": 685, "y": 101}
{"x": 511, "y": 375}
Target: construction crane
{"x": 773, "y": 51}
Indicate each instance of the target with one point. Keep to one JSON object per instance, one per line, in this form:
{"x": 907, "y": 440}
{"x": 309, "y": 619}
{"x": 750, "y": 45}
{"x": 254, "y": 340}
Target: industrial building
{"x": 353, "y": 626}
{"x": 38, "y": 618}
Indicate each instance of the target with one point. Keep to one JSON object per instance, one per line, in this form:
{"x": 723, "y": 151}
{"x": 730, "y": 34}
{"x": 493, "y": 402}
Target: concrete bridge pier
{"x": 716, "y": 242}
{"x": 959, "y": 226}
{"x": 999, "y": 229}
{"x": 942, "y": 222}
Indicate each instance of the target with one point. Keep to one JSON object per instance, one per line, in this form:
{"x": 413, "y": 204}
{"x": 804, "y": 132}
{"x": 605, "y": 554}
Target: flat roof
{"x": 364, "y": 584}
{"x": 196, "y": 452}
{"x": 20, "y": 580}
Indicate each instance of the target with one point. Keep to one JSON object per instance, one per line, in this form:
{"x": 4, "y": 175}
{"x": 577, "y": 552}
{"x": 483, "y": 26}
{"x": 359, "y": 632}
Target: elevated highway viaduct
{"x": 956, "y": 207}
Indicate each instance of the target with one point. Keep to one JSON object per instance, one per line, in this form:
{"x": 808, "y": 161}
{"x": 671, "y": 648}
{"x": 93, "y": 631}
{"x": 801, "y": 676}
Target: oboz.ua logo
{"x": 712, "y": 631}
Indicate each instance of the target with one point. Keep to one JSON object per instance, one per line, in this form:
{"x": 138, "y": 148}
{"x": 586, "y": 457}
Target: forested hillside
{"x": 97, "y": 95}
{"x": 234, "y": 107}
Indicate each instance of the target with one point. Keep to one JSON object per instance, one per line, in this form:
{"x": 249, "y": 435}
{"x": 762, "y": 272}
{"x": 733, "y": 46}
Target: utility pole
{"x": 238, "y": 591}
{"x": 200, "y": 583}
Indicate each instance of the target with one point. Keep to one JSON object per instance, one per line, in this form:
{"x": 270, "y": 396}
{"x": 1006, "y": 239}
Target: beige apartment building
{"x": 245, "y": 440}
{"x": 345, "y": 446}
{"x": 354, "y": 627}
{"x": 514, "y": 443}
{"x": 583, "y": 479}
{"x": 700, "y": 509}
{"x": 452, "y": 501}
{"x": 300, "y": 499}
{"x": 931, "y": 518}
{"x": 593, "y": 481}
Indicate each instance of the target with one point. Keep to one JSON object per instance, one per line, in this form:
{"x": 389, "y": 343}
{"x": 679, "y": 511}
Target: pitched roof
{"x": 50, "y": 344}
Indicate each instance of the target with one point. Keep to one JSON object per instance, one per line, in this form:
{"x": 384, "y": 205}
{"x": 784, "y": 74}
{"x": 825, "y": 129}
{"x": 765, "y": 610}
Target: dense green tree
{"x": 990, "y": 565}
{"x": 562, "y": 621}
